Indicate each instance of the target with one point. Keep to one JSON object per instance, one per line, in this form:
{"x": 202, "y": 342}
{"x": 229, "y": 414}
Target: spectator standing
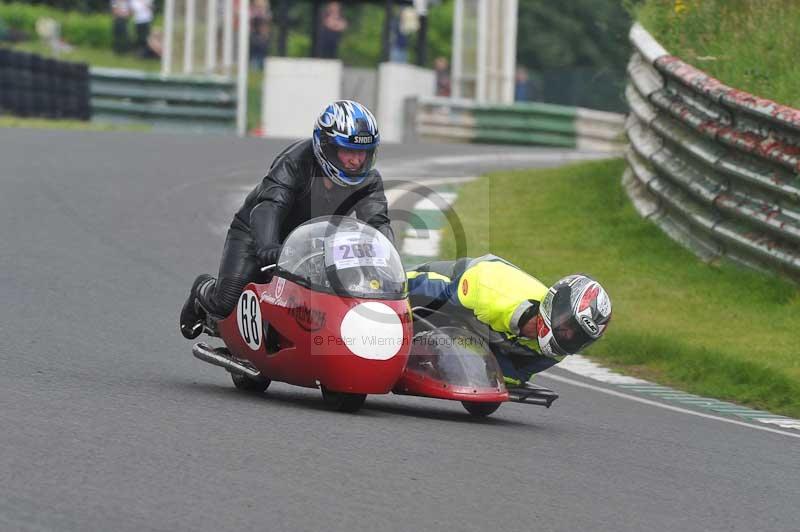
{"x": 142, "y": 17}
{"x": 259, "y": 40}
{"x": 521, "y": 85}
{"x": 330, "y": 31}
{"x": 120, "y": 13}
{"x": 155, "y": 43}
{"x": 402, "y": 27}
{"x": 259, "y": 9}
{"x": 441, "y": 66}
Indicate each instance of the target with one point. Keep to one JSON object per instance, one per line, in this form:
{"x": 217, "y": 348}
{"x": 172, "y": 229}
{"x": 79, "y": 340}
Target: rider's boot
{"x": 193, "y": 314}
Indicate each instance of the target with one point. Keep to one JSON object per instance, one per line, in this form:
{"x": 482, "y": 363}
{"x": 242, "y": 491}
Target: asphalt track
{"x": 108, "y": 423}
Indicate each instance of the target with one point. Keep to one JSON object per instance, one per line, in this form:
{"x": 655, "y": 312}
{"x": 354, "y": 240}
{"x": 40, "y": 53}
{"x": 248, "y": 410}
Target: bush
{"x": 76, "y": 28}
{"x": 85, "y": 6}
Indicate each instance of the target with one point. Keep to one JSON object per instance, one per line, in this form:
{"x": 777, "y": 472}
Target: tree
{"x": 576, "y": 51}
{"x": 576, "y": 33}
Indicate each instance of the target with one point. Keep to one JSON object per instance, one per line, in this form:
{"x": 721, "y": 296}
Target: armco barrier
{"x": 186, "y": 103}
{"x": 523, "y": 123}
{"x": 717, "y": 168}
{"x": 33, "y": 86}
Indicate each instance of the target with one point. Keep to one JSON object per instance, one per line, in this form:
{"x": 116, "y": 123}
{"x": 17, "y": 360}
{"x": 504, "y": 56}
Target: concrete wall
{"x": 396, "y": 82}
{"x": 361, "y": 85}
{"x": 295, "y": 92}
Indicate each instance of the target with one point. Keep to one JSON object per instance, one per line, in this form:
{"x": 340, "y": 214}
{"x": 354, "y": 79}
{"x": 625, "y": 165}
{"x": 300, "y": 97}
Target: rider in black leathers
{"x": 308, "y": 179}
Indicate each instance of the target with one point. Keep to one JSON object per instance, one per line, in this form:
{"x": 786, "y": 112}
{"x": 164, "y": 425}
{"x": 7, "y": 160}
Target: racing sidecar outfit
{"x": 490, "y": 295}
{"x": 292, "y": 192}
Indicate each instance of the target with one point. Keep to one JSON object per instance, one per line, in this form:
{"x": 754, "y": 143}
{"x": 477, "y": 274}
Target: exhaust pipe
{"x": 222, "y": 358}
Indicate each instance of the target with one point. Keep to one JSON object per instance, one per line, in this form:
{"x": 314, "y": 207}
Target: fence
{"x": 717, "y": 168}
{"x": 32, "y": 86}
{"x": 186, "y": 103}
{"x": 524, "y": 123}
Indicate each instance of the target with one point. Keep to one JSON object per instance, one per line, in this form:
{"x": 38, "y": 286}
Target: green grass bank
{"x": 716, "y": 330}
{"x": 748, "y": 45}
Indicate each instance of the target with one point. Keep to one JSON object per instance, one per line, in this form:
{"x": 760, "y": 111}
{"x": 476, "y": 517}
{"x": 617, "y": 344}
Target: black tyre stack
{"x": 34, "y": 86}
{"x": 5, "y": 81}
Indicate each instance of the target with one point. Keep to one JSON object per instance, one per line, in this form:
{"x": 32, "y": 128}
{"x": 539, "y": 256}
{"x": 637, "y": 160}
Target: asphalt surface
{"x": 108, "y": 423}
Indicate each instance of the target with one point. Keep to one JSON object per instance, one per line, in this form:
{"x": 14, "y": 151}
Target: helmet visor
{"x": 570, "y": 335}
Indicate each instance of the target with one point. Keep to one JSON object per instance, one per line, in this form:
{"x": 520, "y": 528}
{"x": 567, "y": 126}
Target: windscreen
{"x": 345, "y": 256}
{"x": 456, "y": 357}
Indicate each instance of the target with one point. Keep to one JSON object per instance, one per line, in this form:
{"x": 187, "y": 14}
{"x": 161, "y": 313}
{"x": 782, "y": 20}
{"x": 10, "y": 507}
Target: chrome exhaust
{"x": 220, "y": 357}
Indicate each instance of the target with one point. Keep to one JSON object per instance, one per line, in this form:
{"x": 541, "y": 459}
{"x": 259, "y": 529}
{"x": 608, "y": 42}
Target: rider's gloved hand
{"x": 267, "y": 256}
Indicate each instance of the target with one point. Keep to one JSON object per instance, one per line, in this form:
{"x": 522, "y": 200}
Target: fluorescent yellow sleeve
{"x": 493, "y": 290}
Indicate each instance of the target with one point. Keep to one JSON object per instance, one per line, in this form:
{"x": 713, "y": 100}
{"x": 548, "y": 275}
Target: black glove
{"x": 267, "y": 256}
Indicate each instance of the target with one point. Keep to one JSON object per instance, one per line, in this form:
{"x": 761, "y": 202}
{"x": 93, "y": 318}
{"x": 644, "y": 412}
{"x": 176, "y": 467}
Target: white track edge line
{"x": 661, "y": 405}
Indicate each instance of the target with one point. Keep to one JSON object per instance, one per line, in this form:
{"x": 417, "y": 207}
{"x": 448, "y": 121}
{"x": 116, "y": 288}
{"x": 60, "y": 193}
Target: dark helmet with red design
{"x": 574, "y": 313}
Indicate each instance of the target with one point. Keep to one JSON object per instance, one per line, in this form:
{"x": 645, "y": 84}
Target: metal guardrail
{"x": 185, "y": 103}
{"x": 523, "y": 123}
{"x": 717, "y": 168}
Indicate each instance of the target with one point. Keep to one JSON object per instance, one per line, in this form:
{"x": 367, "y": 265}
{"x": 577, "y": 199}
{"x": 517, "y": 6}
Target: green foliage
{"x": 85, "y": 6}
{"x": 749, "y": 45}
{"x": 102, "y": 57}
{"x": 298, "y": 45}
{"x": 361, "y": 43}
{"x": 575, "y": 51}
{"x": 440, "y": 31}
{"x": 721, "y": 331}
{"x": 87, "y": 30}
{"x": 76, "y": 28}
{"x": 576, "y": 33}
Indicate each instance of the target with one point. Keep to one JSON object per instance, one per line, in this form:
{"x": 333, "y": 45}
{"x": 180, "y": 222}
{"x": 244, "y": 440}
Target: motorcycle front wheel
{"x": 342, "y": 401}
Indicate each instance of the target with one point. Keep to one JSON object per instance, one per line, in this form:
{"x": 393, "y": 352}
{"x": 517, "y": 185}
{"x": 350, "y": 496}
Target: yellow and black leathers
{"x": 495, "y": 293}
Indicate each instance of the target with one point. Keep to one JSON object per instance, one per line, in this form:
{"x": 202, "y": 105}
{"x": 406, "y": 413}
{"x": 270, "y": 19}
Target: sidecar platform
{"x": 532, "y": 394}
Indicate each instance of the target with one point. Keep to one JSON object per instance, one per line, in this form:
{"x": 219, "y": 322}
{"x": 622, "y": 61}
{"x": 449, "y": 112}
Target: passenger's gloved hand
{"x": 267, "y": 256}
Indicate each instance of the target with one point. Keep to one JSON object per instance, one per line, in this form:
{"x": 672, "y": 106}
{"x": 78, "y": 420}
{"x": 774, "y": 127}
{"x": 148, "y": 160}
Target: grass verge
{"x": 715, "y": 330}
{"x": 745, "y": 44}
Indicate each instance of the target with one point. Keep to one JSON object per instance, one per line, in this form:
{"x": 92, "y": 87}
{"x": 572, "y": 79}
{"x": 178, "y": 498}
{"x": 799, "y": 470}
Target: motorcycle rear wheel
{"x": 480, "y": 409}
{"x": 342, "y": 401}
{"x": 249, "y": 384}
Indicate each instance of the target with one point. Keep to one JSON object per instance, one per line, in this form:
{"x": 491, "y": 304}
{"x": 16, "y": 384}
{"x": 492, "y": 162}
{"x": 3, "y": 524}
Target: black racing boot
{"x": 192, "y": 313}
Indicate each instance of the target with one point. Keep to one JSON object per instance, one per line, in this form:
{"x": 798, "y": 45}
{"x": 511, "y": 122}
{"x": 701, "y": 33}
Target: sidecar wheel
{"x": 342, "y": 401}
{"x": 249, "y": 384}
{"x": 480, "y": 409}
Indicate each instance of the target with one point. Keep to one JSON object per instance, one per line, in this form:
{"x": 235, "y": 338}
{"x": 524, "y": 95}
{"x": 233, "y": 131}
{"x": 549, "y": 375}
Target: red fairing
{"x": 304, "y": 337}
{"x": 417, "y": 383}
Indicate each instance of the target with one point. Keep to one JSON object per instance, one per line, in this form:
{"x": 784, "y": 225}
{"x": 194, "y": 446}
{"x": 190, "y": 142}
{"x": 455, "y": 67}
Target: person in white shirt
{"x": 142, "y": 17}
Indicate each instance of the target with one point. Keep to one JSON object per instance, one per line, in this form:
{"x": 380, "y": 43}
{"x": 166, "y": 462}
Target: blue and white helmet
{"x": 345, "y": 124}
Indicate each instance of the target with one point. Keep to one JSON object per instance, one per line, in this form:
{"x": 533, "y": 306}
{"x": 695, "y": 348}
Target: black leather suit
{"x": 293, "y": 192}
